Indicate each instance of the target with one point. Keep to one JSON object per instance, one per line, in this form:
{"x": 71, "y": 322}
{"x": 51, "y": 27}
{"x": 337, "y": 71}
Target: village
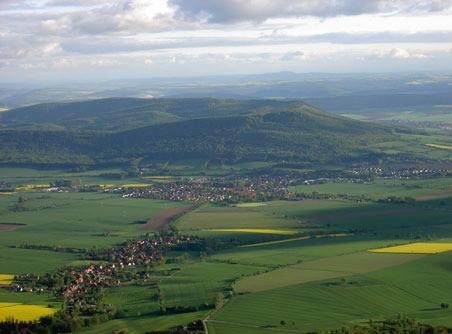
{"x": 80, "y": 287}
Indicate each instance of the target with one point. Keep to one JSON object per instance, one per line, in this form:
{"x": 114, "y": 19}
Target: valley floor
{"x": 275, "y": 266}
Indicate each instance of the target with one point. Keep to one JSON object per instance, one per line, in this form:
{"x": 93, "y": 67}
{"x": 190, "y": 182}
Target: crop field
{"x": 135, "y": 185}
{"x": 255, "y": 230}
{"x": 417, "y": 248}
{"x": 315, "y": 307}
{"x": 198, "y": 283}
{"x": 333, "y": 302}
{"x": 133, "y": 301}
{"x": 251, "y": 205}
{"x": 211, "y": 217}
{"x": 429, "y": 216}
{"x": 77, "y": 220}
{"x": 440, "y": 146}
{"x": 24, "y": 312}
{"x": 6, "y": 279}
{"x": 27, "y": 187}
{"x": 80, "y": 220}
{"x": 162, "y": 220}
{"x": 21, "y": 261}
{"x": 282, "y": 266}
{"x": 292, "y": 252}
{"x": 139, "y": 325}
{"x": 8, "y": 296}
{"x": 380, "y": 188}
{"x": 29, "y": 177}
{"x": 317, "y": 270}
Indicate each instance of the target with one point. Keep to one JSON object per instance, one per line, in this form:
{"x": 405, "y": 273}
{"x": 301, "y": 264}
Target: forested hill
{"x": 227, "y": 130}
{"x": 117, "y": 114}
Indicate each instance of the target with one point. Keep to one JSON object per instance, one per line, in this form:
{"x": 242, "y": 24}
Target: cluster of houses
{"x": 402, "y": 173}
{"x": 215, "y": 190}
{"x": 139, "y": 252}
{"x": 142, "y": 252}
{"x": 5, "y": 186}
{"x": 440, "y": 125}
{"x": 85, "y": 281}
{"x": 79, "y": 285}
{"x": 27, "y": 283}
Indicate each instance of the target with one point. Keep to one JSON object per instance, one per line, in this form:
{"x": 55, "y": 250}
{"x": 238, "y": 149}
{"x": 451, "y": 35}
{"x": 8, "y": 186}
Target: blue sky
{"x": 95, "y": 39}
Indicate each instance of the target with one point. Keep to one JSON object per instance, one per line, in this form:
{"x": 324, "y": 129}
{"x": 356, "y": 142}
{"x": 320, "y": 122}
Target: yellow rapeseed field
{"x": 24, "y": 312}
{"x": 254, "y": 230}
{"x": 250, "y": 205}
{"x": 6, "y": 279}
{"x": 104, "y": 186}
{"x": 136, "y": 185}
{"x": 26, "y": 187}
{"x": 417, "y": 248}
{"x": 158, "y": 177}
{"x": 442, "y": 146}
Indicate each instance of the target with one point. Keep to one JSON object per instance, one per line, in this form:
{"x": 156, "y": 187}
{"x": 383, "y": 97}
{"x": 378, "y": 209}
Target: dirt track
{"x": 161, "y": 221}
{"x": 435, "y": 195}
{"x": 10, "y": 227}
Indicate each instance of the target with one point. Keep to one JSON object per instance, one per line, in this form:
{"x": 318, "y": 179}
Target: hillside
{"x": 226, "y": 130}
{"x": 117, "y": 114}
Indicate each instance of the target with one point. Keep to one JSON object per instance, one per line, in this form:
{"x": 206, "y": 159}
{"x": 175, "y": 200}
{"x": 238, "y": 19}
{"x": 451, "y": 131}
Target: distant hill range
{"x": 116, "y": 130}
{"x": 360, "y": 102}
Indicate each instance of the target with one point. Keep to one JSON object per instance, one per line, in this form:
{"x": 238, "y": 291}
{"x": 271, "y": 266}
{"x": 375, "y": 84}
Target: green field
{"x": 80, "y": 220}
{"x": 318, "y": 270}
{"x": 142, "y": 324}
{"x": 423, "y": 114}
{"x": 21, "y": 176}
{"x": 322, "y": 277}
{"x": 198, "y": 283}
{"x": 381, "y": 188}
{"x": 75, "y": 219}
{"x": 331, "y": 303}
{"x": 212, "y": 217}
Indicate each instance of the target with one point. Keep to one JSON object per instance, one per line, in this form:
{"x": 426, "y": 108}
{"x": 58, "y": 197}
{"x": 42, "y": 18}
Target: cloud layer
{"x": 260, "y": 10}
{"x": 94, "y": 38}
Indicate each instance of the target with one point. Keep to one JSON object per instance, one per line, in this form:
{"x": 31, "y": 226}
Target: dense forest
{"x": 116, "y": 130}
{"x": 117, "y": 114}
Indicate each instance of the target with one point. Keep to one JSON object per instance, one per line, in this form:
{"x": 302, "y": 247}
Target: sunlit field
{"x": 416, "y": 248}
{"x": 6, "y": 279}
{"x": 441, "y": 146}
{"x": 254, "y": 230}
{"x": 250, "y": 205}
{"x": 24, "y": 312}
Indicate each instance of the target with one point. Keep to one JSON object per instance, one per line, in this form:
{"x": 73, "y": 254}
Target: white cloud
{"x": 399, "y": 53}
{"x": 104, "y": 62}
{"x": 223, "y": 35}
{"x": 293, "y": 56}
{"x": 260, "y": 10}
{"x": 119, "y": 17}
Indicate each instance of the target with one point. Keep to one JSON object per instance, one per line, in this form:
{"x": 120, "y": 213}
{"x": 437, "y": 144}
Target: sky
{"x": 99, "y": 39}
